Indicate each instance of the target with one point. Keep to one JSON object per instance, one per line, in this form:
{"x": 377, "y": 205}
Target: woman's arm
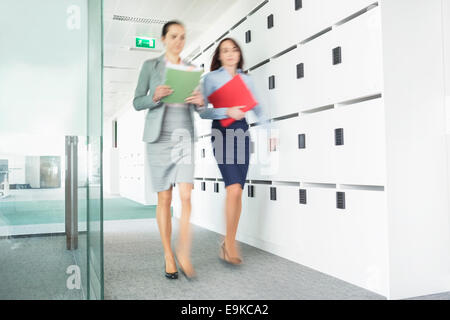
{"x": 205, "y": 112}
{"x": 141, "y": 100}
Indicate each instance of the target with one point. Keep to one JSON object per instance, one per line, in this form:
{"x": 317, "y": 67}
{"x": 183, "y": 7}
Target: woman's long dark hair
{"x": 216, "y": 64}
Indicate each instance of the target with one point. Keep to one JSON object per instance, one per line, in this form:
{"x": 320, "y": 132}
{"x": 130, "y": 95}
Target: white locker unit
{"x": 196, "y": 200}
{"x": 281, "y": 206}
{"x": 311, "y": 242}
{"x": 306, "y": 18}
{"x": 315, "y": 147}
{"x": 253, "y": 220}
{"x": 203, "y": 126}
{"x": 267, "y": 31}
{"x": 312, "y": 86}
{"x": 132, "y": 178}
{"x": 357, "y": 58}
{"x": 360, "y": 157}
{"x": 198, "y": 167}
{"x": 211, "y": 169}
{"x": 274, "y": 83}
{"x": 362, "y": 145}
{"x": 358, "y": 238}
{"x": 284, "y": 160}
{"x": 343, "y": 233}
{"x": 260, "y": 165}
{"x": 213, "y": 205}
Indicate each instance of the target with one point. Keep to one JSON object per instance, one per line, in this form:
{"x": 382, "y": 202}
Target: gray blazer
{"x": 152, "y": 75}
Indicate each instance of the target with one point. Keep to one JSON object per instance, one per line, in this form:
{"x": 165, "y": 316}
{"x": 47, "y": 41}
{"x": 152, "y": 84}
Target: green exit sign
{"x": 142, "y": 42}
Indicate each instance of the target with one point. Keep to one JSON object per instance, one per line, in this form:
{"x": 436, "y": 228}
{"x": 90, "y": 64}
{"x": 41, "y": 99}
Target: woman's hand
{"x": 161, "y": 92}
{"x": 236, "y": 113}
{"x": 195, "y": 98}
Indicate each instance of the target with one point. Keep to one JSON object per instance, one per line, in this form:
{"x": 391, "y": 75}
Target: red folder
{"x": 233, "y": 93}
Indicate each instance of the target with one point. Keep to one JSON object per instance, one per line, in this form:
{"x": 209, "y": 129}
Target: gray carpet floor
{"x": 35, "y": 268}
{"x": 134, "y": 270}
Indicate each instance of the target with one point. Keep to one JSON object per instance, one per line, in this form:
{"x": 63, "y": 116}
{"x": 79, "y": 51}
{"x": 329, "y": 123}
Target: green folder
{"x": 182, "y": 82}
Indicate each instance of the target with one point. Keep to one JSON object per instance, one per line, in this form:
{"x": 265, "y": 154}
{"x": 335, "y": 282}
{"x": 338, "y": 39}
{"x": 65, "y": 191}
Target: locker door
{"x": 205, "y": 126}
{"x": 357, "y": 71}
{"x": 260, "y": 157}
{"x": 304, "y": 19}
{"x": 360, "y": 231}
{"x": 313, "y": 228}
{"x": 275, "y": 82}
{"x": 313, "y": 89}
{"x": 199, "y": 160}
{"x": 284, "y": 160}
{"x": 282, "y": 209}
{"x": 216, "y": 200}
{"x": 197, "y": 200}
{"x": 270, "y": 30}
{"x": 316, "y": 146}
{"x": 211, "y": 169}
{"x": 260, "y": 77}
{"x": 360, "y": 157}
{"x": 257, "y": 218}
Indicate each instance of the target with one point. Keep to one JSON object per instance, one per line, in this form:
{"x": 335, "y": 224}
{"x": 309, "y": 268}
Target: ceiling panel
{"x": 119, "y": 36}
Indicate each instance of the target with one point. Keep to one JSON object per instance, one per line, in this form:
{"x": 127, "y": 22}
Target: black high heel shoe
{"x": 172, "y": 275}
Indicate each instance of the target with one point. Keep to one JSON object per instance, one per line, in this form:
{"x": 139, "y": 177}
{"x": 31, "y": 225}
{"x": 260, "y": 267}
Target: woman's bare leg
{"x": 164, "y": 219}
{"x": 184, "y": 240}
{"x": 233, "y": 207}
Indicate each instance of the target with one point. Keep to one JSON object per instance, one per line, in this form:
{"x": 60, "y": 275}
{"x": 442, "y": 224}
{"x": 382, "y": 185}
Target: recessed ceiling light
{"x": 139, "y": 20}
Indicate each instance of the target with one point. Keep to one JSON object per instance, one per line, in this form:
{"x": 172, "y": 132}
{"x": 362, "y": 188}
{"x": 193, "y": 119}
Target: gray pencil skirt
{"x": 171, "y": 157}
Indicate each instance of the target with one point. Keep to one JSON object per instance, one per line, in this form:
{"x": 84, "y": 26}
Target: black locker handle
{"x": 273, "y": 193}
{"x": 270, "y": 21}
{"x": 298, "y": 4}
{"x": 339, "y": 137}
{"x": 340, "y": 200}
{"x": 216, "y": 187}
{"x": 337, "y": 55}
{"x": 300, "y": 70}
{"x": 248, "y": 36}
{"x": 271, "y": 82}
{"x": 302, "y": 196}
{"x": 302, "y": 141}
{"x": 251, "y": 191}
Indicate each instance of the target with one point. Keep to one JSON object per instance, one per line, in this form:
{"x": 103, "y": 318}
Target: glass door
{"x": 51, "y": 196}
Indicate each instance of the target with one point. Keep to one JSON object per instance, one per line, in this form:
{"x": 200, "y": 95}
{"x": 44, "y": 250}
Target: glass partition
{"x": 51, "y": 219}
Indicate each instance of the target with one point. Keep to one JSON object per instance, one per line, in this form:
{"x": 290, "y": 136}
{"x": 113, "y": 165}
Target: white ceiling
{"x": 121, "y": 65}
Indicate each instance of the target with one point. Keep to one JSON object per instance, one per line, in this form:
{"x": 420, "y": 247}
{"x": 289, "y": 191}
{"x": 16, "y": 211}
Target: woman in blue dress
{"x": 233, "y": 151}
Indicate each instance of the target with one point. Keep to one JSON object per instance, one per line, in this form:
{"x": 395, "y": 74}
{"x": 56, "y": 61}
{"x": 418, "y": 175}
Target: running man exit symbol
{"x": 142, "y": 42}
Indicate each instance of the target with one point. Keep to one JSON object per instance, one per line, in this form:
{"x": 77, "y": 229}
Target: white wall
{"x": 417, "y": 185}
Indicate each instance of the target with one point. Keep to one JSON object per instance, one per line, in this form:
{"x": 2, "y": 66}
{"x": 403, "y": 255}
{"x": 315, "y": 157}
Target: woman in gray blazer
{"x": 169, "y": 134}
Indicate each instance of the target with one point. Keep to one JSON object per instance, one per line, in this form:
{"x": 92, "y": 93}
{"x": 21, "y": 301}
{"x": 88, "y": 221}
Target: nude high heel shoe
{"x": 225, "y": 257}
